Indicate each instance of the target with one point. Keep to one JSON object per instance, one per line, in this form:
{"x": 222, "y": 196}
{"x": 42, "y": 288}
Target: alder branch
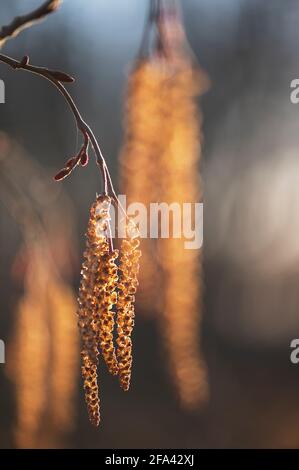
{"x": 26, "y": 21}
{"x": 57, "y": 78}
{"x": 82, "y": 126}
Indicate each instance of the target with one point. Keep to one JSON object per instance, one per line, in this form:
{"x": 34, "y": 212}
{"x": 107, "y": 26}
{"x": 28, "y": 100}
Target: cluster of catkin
{"x": 107, "y": 289}
{"x": 162, "y": 148}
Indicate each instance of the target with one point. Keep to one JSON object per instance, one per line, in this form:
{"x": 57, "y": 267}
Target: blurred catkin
{"x": 162, "y": 148}
{"x": 43, "y": 350}
{"x": 143, "y": 142}
{"x": 30, "y": 351}
{"x": 64, "y": 362}
{"x": 181, "y": 267}
{"x": 44, "y": 354}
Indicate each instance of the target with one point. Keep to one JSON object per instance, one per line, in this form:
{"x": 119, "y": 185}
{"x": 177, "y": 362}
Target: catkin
{"x": 43, "y": 354}
{"x": 139, "y": 175}
{"x": 107, "y": 314}
{"x": 30, "y": 351}
{"x": 127, "y": 287}
{"x": 162, "y": 148}
{"x": 64, "y": 357}
{"x": 182, "y": 277}
{"x": 97, "y": 297}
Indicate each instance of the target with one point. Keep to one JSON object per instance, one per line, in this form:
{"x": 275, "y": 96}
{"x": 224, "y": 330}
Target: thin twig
{"x": 22, "y": 22}
{"x": 57, "y": 78}
{"x": 81, "y": 124}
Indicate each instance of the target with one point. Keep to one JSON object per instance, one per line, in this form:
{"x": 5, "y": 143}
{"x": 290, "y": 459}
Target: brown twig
{"x": 57, "y": 78}
{"x": 22, "y": 22}
{"x": 81, "y": 124}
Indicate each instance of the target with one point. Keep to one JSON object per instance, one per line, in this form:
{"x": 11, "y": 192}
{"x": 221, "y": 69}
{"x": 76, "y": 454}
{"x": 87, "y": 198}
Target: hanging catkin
{"x": 143, "y": 142}
{"x": 181, "y": 266}
{"x": 106, "y": 288}
{"x": 129, "y": 268}
{"x": 44, "y": 357}
{"x": 92, "y": 293}
{"x": 30, "y": 351}
{"x": 163, "y": 147}
{"x": 64, "y": 361}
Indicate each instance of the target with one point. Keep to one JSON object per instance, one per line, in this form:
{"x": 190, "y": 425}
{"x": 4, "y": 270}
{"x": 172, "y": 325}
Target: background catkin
{"x": 30, "y": 351}
{"x": 162, "y": 148}
{"x": 44, "y": 354}
{"x": 43, "y": 350}
{"x": 143, "y": 142}
{"x": 181, "y": 267}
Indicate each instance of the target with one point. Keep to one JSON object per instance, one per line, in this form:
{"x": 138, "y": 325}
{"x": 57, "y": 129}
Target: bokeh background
{"x": 251, "y": 194}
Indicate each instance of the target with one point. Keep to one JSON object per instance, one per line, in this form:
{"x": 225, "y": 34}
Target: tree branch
{"x": 82, "y": 126}
{"x": 57, "y": 78}
{"x": 22, "y": 22}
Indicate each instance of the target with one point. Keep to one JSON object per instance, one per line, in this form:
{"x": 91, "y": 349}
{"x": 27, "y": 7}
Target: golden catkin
{"x": 64, "y": 354}
{"x": 182, "y": 277}
{"x": 162, "y": 148}
{"x": 107, "y": 314}
{"x": 96, "y": 300}
{"x": 143, "y": 142}
{"x": 127, "y": 287}
{"x": 30, "y": 350}
{"x": 43, "y": 353}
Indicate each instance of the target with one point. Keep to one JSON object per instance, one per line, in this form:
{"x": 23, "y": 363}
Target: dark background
{"x": 251, "y": 176}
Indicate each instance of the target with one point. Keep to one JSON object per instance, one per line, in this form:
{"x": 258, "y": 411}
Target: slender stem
{"x": 83, "y": 127}
{"x": 12, "y": 30}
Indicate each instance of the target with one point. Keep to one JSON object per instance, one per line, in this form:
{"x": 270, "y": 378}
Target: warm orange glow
{"x": 162, "y": 150}
{"x": 44, "y": 351}
{"x": 139, "y": 166}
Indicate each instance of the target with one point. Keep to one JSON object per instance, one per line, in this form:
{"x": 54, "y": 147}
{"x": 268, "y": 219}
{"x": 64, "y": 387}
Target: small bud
{"x": 24, "y": 61}
{"x": 60, "y": 76}
{"x": 62, "y": 174}
{"x": 84, "y": 159}
{"x": 71, "y": 162}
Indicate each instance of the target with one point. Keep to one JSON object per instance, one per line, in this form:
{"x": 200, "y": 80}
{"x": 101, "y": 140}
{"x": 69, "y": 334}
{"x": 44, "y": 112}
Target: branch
{"x": 57, "y": 78}
{"x": 83, "y": 127}
{"x": 22, "y": 22}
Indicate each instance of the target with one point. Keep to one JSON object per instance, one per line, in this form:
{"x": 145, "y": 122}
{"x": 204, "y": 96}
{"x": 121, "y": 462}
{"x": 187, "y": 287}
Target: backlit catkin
{"x": 107, "y": 314}
{"x": 143, "y": 142}
{"x": 30, "y": 352}
{"x": 92, "y": 293}
{"x": 106, "y": 288}
{"x": 64, "y": 354}
{"x": 127, "y": 287}
{"x": 43, "y": 354}
{"x": 163, "y": 148}
{"x": 181, "y": 267}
